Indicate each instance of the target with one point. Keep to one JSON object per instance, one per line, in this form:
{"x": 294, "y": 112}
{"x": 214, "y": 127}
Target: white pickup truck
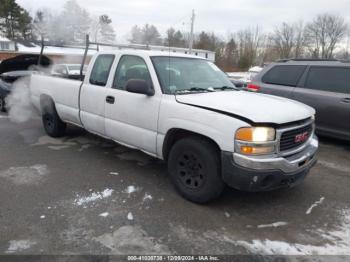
{"x": 184, "y": 110}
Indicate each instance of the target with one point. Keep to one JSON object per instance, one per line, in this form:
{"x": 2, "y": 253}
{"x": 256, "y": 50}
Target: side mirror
{"x": 139, "y": 87}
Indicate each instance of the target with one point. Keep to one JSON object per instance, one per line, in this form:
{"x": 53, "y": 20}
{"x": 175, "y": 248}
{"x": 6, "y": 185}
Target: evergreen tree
{"x": 15, "y": 22}
{"x": 106, "y": 30}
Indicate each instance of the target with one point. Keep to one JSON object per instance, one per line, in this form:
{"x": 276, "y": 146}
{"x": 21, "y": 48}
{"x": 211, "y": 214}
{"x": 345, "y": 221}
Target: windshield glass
{"x": 178, "y": 74}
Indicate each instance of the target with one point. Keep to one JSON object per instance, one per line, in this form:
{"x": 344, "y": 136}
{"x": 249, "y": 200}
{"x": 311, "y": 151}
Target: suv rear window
{"x": 287, "y": 75}
{"x": 332, "y": 79}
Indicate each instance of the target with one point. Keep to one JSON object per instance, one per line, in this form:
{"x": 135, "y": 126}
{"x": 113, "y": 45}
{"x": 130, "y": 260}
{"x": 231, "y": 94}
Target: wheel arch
{"x": 175, "y": 134}
{"x": 46, "y": 101}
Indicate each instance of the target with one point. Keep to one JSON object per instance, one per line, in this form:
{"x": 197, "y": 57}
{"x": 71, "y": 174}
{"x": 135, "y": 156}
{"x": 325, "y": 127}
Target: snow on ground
{"x": 276, "y": 224}
{"x": 131, "y": 240}
{"x": 345, "y": 169}
{"x": 19, "y": 245}
{"x": 84, "y": 147}
{"x": 114, "y": 173}
{"x": 147, "y": 197}
{"x": 338, "y": 243}
{"x": 137, "y": 156}
{"x": 130, "y": 216}
{"x": 93, "y": 197}
{"x": 106, "y": 214}
{"x": 131, "y": 189}
{"x": 316, "y": 204}
{"x": 46, "y": 140}
{"x": 25, "y": 175}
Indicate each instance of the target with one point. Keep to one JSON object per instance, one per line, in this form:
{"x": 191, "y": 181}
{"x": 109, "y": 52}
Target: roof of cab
{"x": 149, "y": 53}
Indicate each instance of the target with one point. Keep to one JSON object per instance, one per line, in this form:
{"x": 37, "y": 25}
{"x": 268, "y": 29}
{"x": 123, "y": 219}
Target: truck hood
{"x": 257, "y": 108}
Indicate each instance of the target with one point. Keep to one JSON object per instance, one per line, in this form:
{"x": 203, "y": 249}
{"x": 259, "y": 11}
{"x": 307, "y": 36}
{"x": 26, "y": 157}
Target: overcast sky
{"x": 219, "y": 16}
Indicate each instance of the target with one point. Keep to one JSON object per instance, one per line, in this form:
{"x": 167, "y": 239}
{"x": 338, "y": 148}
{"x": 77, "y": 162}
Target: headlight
{"x": 255, "y": 140}
{"x": 256, "y": 134}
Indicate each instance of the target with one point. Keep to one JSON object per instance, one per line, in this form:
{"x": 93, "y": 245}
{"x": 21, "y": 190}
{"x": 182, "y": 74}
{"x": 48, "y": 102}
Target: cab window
{"x": 131, "y": 67}
{"x": 101, "y": 69}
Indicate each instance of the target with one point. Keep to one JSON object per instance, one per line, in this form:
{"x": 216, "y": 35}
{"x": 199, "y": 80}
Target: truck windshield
{"x": 179, "y": 75}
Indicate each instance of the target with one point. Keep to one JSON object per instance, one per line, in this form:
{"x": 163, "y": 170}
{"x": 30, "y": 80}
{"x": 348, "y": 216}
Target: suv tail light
{"x": 253, "y": 87}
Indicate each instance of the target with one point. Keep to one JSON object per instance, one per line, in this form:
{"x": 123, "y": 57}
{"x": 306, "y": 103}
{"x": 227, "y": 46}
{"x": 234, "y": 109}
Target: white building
{"x": 6, "y": 44}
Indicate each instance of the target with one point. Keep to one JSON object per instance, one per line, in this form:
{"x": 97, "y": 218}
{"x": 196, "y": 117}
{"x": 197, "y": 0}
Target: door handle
{"x": 110, "y": 99}
{"x": 346, "y": 100}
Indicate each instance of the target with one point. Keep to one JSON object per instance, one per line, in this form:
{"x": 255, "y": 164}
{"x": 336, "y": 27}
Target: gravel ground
{"x": 85, "y": 195}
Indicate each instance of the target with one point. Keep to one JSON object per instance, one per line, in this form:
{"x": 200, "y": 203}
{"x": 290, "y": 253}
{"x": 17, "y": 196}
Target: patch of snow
{"x": 276, "y": 224}
{"x": 42, "y": 217}
{"x": 139, "y": 157}
{"x": 147, "y": 197}
{"x": 130, "y": 216}
{"x": 46, "y": 140}
{"x": 25, "y": 175}
{"x": 114, "y": 173}
{"x": 93, "y": 197}
{"x": 84, "y": 147}
{"x": 316, "y": 204}
{"x": 334, "y": 166}
{"x": 227, "y": 215}
{"x": 57, "y": 148}
{"x": 19, "y": 245}
{"x": 131, "y": 240}
{"x": 106, "y": 214}
{"x": 338, "y": 243}
{"x": 131, "y": 189}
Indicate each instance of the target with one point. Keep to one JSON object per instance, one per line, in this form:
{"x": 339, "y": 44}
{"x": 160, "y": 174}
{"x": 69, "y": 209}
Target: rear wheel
{"x": 53, "y": 125}
{"x": 2, "y": 104}
{"x": 194, "y": 168}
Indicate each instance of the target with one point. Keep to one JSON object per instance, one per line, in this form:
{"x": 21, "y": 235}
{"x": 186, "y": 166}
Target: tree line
{"x": 323, "y": 37}
{"x": 70, "y": 26}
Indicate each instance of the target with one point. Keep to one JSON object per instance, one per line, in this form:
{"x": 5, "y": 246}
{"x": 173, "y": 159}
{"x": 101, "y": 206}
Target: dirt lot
{"x": 85, "y": 195}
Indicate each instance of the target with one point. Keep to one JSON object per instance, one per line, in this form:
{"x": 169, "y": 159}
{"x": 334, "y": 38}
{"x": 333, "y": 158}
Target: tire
{"x": 53, "y": 124}
{"x": 2, "y": 104}
{"x": 195, "y": 170}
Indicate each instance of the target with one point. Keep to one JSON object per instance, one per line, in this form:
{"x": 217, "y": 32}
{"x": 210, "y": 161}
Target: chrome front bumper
{"x": 287, "y": 164}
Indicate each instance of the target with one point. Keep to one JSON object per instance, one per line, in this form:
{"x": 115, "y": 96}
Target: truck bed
{"x": 64, "y": 91}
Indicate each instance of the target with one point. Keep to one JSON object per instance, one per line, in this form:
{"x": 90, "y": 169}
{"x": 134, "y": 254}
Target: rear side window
{"x": 100, "y": 71}
{"x": 287, "y": 75}
{"x": 332, "y": 79}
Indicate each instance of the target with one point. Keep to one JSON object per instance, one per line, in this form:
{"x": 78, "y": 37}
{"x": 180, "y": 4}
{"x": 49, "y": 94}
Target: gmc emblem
{"x": 302, "y": 137}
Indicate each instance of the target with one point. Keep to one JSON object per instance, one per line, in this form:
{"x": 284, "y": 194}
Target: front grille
{"x": 290, "y": 141}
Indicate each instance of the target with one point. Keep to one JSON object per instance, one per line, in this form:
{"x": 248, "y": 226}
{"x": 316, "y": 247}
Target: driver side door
{"x": 130, "y": 118}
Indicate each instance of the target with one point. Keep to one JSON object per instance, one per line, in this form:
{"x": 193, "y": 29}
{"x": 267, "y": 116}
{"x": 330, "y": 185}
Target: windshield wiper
{"x": 223, "y": 88}
{"x": 194, "y": 89}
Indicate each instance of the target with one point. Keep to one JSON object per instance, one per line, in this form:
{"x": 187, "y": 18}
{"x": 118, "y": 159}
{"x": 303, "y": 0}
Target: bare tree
{"x": 300, "y": 39}
{"x": 249, "y": 43}
{"x": 289, "y": 40}
{"x": 283, "y": 38}
{"x": 324, "y": 33}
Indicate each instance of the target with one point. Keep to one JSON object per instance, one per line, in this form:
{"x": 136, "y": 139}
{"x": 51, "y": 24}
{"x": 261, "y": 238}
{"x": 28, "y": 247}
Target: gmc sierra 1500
{"x": 184, "y": 110}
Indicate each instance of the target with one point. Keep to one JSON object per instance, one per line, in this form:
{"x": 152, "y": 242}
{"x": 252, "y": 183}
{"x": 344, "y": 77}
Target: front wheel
{"x": 194, "y": 168}
{"x": 53, "y": 125}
